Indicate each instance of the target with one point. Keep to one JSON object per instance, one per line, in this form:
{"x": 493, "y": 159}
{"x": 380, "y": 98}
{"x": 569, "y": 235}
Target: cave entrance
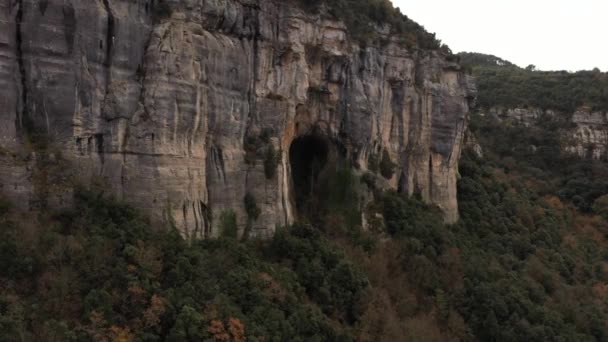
{"x": 308, "y": 157}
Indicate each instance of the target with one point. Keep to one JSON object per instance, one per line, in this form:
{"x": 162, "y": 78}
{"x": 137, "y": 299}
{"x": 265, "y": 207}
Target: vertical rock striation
{"x": 158, "y": 103}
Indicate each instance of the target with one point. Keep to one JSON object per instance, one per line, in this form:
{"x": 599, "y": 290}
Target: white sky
{"x": 551, "y": 34}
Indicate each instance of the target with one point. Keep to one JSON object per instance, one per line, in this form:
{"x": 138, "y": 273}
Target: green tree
{"x": 189, "y": 326}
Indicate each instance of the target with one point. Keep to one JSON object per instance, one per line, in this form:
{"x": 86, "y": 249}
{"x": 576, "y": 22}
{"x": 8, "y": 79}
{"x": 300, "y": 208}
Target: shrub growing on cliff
{"x": 271, "y": 161}
{"x": 161, "y": 10}
{"x": 228, "y": 224}
{"x": 386, "y": 166}
{"x": 260, "y": 146}
{"x": 372, "y": 163}
{"x": 251, "y": 207}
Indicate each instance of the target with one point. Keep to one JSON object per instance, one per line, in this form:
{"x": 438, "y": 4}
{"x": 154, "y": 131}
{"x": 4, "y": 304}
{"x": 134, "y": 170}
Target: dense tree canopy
{"x": 99, "y": 272}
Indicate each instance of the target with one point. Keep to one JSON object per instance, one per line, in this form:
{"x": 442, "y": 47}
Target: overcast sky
{"x": 551, "y": 34}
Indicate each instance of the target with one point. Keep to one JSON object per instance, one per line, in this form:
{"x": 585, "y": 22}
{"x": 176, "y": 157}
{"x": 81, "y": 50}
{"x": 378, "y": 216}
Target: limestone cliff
{"x": 584, "y": 132}
{"x": 158, "y": 105}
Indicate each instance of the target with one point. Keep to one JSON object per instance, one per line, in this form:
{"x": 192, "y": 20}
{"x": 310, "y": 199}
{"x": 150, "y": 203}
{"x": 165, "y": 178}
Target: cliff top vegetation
{"x": 502, "y": 83}
{"x": 362, "y": 17}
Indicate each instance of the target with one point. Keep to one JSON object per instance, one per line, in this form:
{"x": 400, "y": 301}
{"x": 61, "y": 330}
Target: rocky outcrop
{"x": 584, "y": 132}
{"x": 158, "y": 104}
{"x": 522, "y": 116}
{"x": 589, "y": 137}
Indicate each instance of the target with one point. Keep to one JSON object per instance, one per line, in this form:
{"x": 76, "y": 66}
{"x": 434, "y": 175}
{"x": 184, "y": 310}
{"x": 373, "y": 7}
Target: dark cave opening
{"x": 325, "y": 186}
{"x": 308, "y": 156}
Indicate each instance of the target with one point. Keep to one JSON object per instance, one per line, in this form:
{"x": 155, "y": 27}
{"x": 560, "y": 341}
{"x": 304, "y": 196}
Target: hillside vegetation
{"x": 364, "y": 17}
{"x": 523, "y": 264}
{"x": 502, "y": 83}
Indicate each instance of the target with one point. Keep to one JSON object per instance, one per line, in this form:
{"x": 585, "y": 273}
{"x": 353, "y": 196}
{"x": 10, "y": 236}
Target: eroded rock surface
{"x": 158, "y": 105}
{"x": 584, "y": 132}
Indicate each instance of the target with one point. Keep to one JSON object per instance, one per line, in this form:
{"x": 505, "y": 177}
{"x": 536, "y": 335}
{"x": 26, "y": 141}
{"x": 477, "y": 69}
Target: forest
{"x": 527, "y": 261}
{"x": 501, "y": 83}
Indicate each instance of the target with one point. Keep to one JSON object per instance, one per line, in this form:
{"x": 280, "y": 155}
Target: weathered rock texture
{"x": 157, "y": 105}
{"x": 584, "y": 132}
{"x": 589, "y": 137}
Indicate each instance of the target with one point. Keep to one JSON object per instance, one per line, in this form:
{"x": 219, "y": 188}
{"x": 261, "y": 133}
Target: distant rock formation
{"x": 584, "y": 132}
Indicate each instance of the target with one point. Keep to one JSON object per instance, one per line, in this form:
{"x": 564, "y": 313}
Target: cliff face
{"x": 589, "y": 137}
{"x": 585, "y": 132}
{"x": 159, "y": 105}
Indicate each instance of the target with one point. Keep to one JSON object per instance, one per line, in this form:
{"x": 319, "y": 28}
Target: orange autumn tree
{"x": 232, "y": 331}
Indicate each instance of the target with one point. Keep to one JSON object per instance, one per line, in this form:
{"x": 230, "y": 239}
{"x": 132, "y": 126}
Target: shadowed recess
{"x": 308, "y": 156}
